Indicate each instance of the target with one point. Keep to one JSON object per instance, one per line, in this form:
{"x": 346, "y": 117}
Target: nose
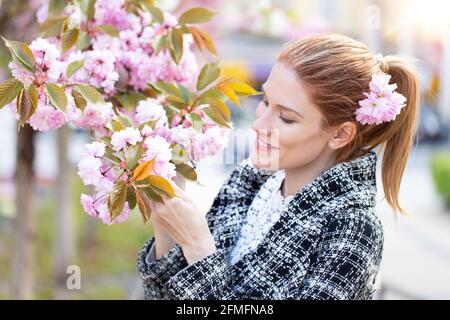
{"x": 263, "y": 121}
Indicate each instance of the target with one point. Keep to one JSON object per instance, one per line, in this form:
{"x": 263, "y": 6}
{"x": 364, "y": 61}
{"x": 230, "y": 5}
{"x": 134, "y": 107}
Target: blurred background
{"x": 43, "y": 228}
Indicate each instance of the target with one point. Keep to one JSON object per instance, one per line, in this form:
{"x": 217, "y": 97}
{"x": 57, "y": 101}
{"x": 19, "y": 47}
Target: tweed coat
{"x": 327, "y": 244}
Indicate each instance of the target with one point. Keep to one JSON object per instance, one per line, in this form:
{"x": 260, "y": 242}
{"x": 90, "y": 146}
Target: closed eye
{"x": 266, "y": 103}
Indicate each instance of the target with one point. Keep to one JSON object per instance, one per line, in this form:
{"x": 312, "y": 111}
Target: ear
{"x": 345, "y": 133}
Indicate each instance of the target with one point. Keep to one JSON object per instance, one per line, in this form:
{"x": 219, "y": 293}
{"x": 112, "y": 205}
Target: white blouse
{"x": 264, "y": 211}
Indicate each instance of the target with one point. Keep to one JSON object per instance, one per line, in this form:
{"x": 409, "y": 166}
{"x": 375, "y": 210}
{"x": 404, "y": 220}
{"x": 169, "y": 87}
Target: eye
{"x": 285, "y": 120}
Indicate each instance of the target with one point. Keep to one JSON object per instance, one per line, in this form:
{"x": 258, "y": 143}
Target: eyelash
{"x": 282, "y": 119}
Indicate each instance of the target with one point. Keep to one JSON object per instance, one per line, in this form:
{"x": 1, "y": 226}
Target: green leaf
{"x": 185, "y": 93}
{"x": 222, "y": 108}
{"x": 56, "y": 7}
{"x": 73, "y": 67}
{"x": 52, "y": 26}
{"x": 216, "y": 116}
{"x": 90, "y": 93}
{"x": 209, "y": 95}
{"x": 27, "y": 102}
{"x": 69, "y": 38}
{"x": 167, "y": 88}
{"x": 156, "y": 13}
{"x": 176, "y": 40}
{"x": 226, "y": 90}
{"x": 125, "y": 120}
{"x": 186, "y": 171}
{"x": 130, "y": 100}
{"x": 90, "y": 10}
{"x": 144, "y": 205}
{"x": 109, "y": 30}
{"x": 133, "y": 154}
{"x": 203, "y": 39}
{"x": 9, "y": 90}
{"x": 196, "y": 15}
{"x": 80, "y": 102}
{"x": 152, "y": 195}
{"x": 110, "y": 155}
{"x": 158, "y": 43}
{"x": 242, "y": 88}
{"x": 21, "y": 54}
{"x": 117, "y": 198}
{"x": 209, "y": 73}
{"x": 161, "y": 185}
{"x": 196, "y": 120}
{"x": 131, "y": 198}
{"x": 84, "y": 41}
{"x": 57, "y": 96}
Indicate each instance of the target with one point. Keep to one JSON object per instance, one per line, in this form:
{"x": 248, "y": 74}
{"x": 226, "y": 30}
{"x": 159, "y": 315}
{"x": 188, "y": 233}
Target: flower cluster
{"x": 382, "y": 103}
{"x": 127, "y": 72}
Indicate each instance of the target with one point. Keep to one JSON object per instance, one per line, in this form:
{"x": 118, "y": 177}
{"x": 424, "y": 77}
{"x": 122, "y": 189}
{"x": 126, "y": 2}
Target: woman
{"x": 297, "y": 219}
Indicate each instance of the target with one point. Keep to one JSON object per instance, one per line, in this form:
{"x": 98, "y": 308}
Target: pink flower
{"x": 46, "y": 118}
{"x": 104, "y": 184}
{"x": 21, "y": 74}
{"x": 88, "y": 205}
{"x": 99, "y": 70}
{"x": 94, "y": 116}
{"x": 157, "y": 147}
{"x": 380, "y": 84}
{"x": 150, "y": 110}
{"x": 111, "y": 12}
{"x": 95, "y": 149}
{"x": 128, "y": 136}
{"x": 89, "y": 170}
{"x": 103, "y": 41}
{"x": 209, "y": 143}
{"x": 164, "y": 169}
{"x": 44, "y": 51}
{"x": 138, "y": 62}
{"x": 129, "y": 40}
{"x": 98, "y": 208}
{"x": 382, "y": 103}
{"x": 182, "y": 136}
{"x": 104, "y": 214}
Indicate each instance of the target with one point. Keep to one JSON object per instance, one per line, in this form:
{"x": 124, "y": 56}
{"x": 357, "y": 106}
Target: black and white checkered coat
{"x": 327, "y": 244}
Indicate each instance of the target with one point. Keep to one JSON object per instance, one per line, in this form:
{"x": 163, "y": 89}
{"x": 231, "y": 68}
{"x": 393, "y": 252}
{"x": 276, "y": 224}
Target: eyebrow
{"x": 281, "y": 106}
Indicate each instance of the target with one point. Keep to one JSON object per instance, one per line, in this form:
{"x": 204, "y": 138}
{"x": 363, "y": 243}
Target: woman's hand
{"x": 185, "y": 224}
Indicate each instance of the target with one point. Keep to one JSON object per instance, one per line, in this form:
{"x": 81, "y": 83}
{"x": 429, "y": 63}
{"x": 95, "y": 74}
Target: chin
{"x": 265, "y": 161}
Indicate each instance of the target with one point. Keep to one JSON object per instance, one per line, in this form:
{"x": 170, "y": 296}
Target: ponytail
{"x": 402, "y": 131}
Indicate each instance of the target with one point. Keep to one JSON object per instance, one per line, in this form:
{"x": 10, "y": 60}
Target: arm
{"x": 172, "y": 277}
{"x": 346, "y": 261}
{"x": 155, "y": 272}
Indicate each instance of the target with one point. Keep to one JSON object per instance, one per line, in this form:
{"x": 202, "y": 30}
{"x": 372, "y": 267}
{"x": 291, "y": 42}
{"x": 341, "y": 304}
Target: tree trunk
{"x": 24, "y": 228}
{"x": 64, "y": 233}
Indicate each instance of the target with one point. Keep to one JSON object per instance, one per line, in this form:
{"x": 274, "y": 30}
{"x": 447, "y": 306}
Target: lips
{"x": 262, "y": 145}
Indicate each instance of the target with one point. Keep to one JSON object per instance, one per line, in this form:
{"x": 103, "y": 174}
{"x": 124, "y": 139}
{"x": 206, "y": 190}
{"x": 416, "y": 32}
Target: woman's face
{"x": 289, "y": 123}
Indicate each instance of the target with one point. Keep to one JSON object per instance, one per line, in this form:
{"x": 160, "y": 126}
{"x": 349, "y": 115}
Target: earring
{"x": 331, "y": 144}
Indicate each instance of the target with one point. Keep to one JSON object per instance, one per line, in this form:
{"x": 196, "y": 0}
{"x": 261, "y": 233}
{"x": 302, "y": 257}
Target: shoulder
{"x": 358, "y": 228}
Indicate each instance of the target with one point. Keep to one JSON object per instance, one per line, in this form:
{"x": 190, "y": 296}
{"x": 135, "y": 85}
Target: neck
{"x": 298, "y": 177}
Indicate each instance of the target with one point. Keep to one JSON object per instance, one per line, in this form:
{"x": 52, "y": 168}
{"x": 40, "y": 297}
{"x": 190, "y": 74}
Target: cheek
{"x": 301, "y": 144}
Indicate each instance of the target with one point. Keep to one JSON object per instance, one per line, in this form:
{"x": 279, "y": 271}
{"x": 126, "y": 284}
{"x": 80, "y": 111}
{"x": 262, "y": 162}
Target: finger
{"x": 179, "y": 192}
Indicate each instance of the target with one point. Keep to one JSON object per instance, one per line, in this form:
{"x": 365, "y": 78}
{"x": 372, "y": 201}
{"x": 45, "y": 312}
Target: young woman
{"x": 297, "y": 219}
